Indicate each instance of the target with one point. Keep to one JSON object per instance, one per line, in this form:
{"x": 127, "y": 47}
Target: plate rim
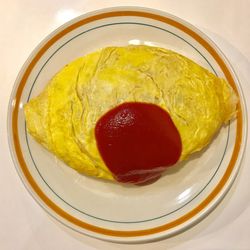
{"x": 103, "y": 233}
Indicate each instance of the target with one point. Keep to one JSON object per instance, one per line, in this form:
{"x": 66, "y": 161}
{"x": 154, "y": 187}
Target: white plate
{"x": 107, "y": 210}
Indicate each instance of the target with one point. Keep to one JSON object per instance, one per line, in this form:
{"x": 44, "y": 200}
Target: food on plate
{"x": 128, "y": 113}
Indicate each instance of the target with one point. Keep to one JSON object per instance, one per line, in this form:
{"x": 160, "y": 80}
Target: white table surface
{"x": 23, "y": 24}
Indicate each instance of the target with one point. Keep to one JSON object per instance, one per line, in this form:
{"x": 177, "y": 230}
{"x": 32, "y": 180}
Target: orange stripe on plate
{"x": 90, "y": 227}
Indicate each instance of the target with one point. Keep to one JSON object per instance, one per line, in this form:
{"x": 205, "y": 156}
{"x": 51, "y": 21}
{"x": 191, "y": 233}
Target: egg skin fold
{"x": 63, "y": 117}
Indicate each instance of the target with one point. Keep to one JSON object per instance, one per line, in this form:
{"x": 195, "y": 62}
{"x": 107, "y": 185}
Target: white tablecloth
{"x": 24, "y": 23}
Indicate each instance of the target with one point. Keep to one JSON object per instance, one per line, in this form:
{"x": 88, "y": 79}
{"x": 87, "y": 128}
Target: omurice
{"x": 128, "y": 113}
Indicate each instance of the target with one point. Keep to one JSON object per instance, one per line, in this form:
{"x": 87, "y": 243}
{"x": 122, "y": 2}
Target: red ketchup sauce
{"x": 137, "y": 141}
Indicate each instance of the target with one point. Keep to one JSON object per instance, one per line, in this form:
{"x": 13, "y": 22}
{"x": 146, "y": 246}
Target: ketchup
{"x": 137, "y": 141}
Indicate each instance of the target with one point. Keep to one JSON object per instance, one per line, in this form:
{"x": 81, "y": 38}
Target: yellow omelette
{"x": 63, "y": 117}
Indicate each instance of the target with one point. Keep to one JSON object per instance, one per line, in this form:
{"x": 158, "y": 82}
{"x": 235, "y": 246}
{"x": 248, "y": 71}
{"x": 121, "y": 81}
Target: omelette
{"x": 125, "y": 111}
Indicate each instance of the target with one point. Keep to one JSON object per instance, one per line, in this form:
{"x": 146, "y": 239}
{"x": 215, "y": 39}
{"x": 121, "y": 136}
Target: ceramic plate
{"x": 107, "y": 210}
